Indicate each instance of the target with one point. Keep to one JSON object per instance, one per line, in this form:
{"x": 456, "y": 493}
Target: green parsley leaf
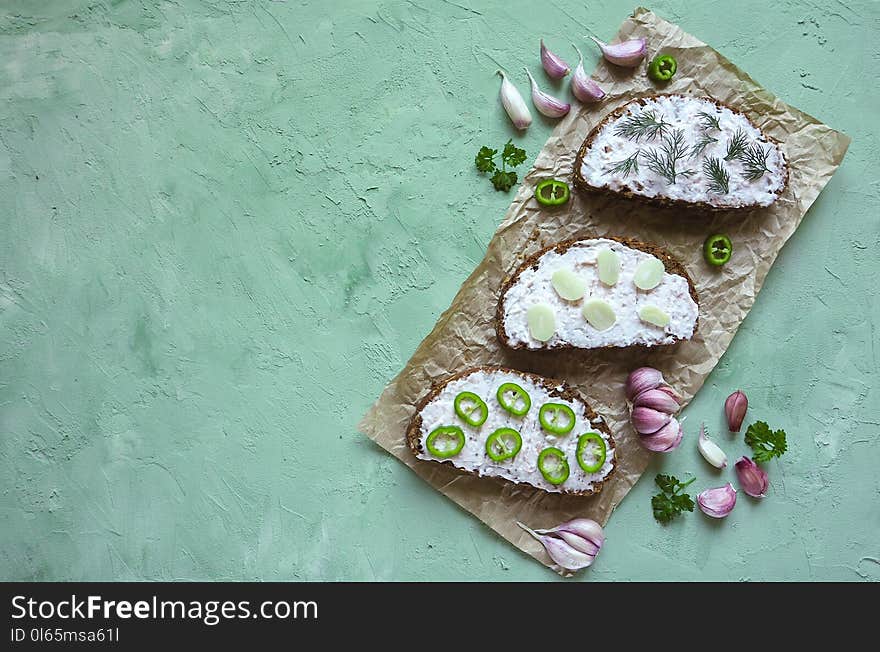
{"x": 669, "y": 503}
{"x": 513, "y": 155}
{"x": 765, "y": 443}
{"x": 484, "y": 160}
{"x": 503, "y": 180}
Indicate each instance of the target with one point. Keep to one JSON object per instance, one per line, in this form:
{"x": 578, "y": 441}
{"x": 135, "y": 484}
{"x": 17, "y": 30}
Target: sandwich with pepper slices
{"x": 519, "y": 427}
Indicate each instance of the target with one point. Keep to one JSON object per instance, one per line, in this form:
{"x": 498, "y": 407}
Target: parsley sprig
{"x": 511, "y": 155}
{"x": 766, "y": 444}
{"x": 670, "y": 502}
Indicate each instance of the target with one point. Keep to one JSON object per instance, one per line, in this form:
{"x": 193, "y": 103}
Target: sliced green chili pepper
{"x": 552, "y": 192}
{"x": 591, "y": 446}
{"x": 662, "y": 68}
{"x": 514, "y": 399}
{"x": 471, "y": 408}
{"x": 556, "y": 418}
{"x": 445, "y": 441}
{"x": 717, "y": 249}
{"x": 553, "y": 465}
{"x": 503, "y": 444}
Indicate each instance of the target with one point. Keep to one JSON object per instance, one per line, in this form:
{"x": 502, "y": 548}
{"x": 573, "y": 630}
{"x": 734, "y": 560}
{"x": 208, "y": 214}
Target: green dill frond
{"x": 665, "y": 160}
{"x": 709, "y": 121}
{"x": 754, "y": 161}
{"x": 701, "y": 144}
{"x": 719, "y": 178}
{"x": 737, "y": 145}
{"x": 641, "y": 124}
{"x": 626, "y": 166}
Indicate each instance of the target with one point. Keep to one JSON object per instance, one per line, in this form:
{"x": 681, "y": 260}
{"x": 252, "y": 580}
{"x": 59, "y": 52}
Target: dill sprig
{"x": 627, "y": 165}
{"x": 718, "y": 176}
{"x": 754, "y": 161}
{"x": 737, "y": 145}
{"x": 709, "y": 121}
{"x": 641, "y": 124}
{"x": 701, "y": 144}
{"x": 664, "y": 161}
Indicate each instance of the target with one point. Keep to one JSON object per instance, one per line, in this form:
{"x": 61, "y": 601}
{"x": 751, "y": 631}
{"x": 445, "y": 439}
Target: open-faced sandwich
{"x": 597, "y": 293}
{"x": 502, "y": 423}
{"x": 676, "y": 150}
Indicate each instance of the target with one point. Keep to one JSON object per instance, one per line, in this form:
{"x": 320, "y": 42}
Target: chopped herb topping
{"x": 754, "y": 161}
{"x": 709, "y": 121}
{"x": 701, "y": 144}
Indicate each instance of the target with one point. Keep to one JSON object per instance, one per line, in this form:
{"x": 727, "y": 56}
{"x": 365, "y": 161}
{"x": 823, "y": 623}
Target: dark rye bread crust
{"x": 665, "y": 202}
{"x": 672, "y": 264}
{"x": 565, "y": 393}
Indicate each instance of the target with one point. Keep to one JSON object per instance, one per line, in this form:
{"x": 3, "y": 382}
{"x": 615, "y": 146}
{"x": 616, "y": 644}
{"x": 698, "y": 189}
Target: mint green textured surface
{"x": 226, "y": 225}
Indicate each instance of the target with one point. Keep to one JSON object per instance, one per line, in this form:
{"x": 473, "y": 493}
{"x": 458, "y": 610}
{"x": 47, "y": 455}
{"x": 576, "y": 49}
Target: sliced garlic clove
{"x": 541, "y": 321}
{"x": 568, "y": 285}
{"x": 653, "y": 315}
{"x": 608, "y": 263}
{"x": 599, "y": 314}
{"x": 649, "y": 273}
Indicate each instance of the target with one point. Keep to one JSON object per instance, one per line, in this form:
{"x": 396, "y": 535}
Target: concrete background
{"x": 226, "y": 225}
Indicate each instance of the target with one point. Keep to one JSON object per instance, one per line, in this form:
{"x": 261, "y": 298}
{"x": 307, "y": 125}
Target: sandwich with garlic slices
{"x": 522, "y": 428}
{"x": 597, "y": 293}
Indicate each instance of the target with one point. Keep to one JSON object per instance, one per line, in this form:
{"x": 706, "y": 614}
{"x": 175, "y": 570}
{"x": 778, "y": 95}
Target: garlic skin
{"x": 553, "y": 65}
{"x": 735, "y": 408}
{"x": 718, "y": 502}
{"x": 711, "y": 451}
{"x": 667, "y": 439}
{"x": 752, "y": 478}
{"x": 572, "y": 545}
{"x": 647, "y": 421}
{"x": 514, "y": 104}
{"x": 656, "y": 399}
{"x": 627, "y": 54}
{"x": 547, "y": 104}
{"x": 584, "y": 88}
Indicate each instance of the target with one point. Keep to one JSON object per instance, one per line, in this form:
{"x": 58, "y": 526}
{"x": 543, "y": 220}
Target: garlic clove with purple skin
{"x": 547, "y": 104}
{"x": 641, "y": 380}
{"x": 718, "y": 502}
{"x": 666, "y": 389}
{"x": 626, "y": 54}
{"x": 647, "y": 421}
{"x": 561, "y": 551}
{"x": 584, "y": 88}
{"x": 664, "y": 440}
{"x": 735, "y": 410}
{"x": 657, "y": 400}
{"x": 752, "y": 478}
{"x": 710, "y": 451}
{"x": 584, "y": 534}
{"x": 553, "y": 65}
{"x": 514, "y": 104}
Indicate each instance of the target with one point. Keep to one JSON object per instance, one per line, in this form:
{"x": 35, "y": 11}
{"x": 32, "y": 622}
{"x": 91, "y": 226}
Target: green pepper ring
{"x": 507, "y": 454}
{"x": 556, "y": 407}
{"x": 583, "y": 441}
{"x": 558, "y": 192}
{"x": 662, "y": 68}
{"x": 717, "y": 249}
{"x": 563, "y": 468}
{"x": 520, "y": 393}
{"x": 445, "y": 430}
{"x": 467, "y": 417}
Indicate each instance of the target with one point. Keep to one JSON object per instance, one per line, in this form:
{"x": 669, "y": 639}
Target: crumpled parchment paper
{"x": 464, "y": 335}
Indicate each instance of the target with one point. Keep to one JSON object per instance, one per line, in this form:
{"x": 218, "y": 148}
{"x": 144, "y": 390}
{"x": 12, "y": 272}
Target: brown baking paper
{"x": 464, "y": 336}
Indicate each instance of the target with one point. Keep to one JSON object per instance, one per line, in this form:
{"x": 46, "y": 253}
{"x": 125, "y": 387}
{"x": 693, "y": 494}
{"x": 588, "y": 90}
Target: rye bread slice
{"x": 556, "y": 389}
{"x": 664, "y": 202}
{"x": 672, "y": 264}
